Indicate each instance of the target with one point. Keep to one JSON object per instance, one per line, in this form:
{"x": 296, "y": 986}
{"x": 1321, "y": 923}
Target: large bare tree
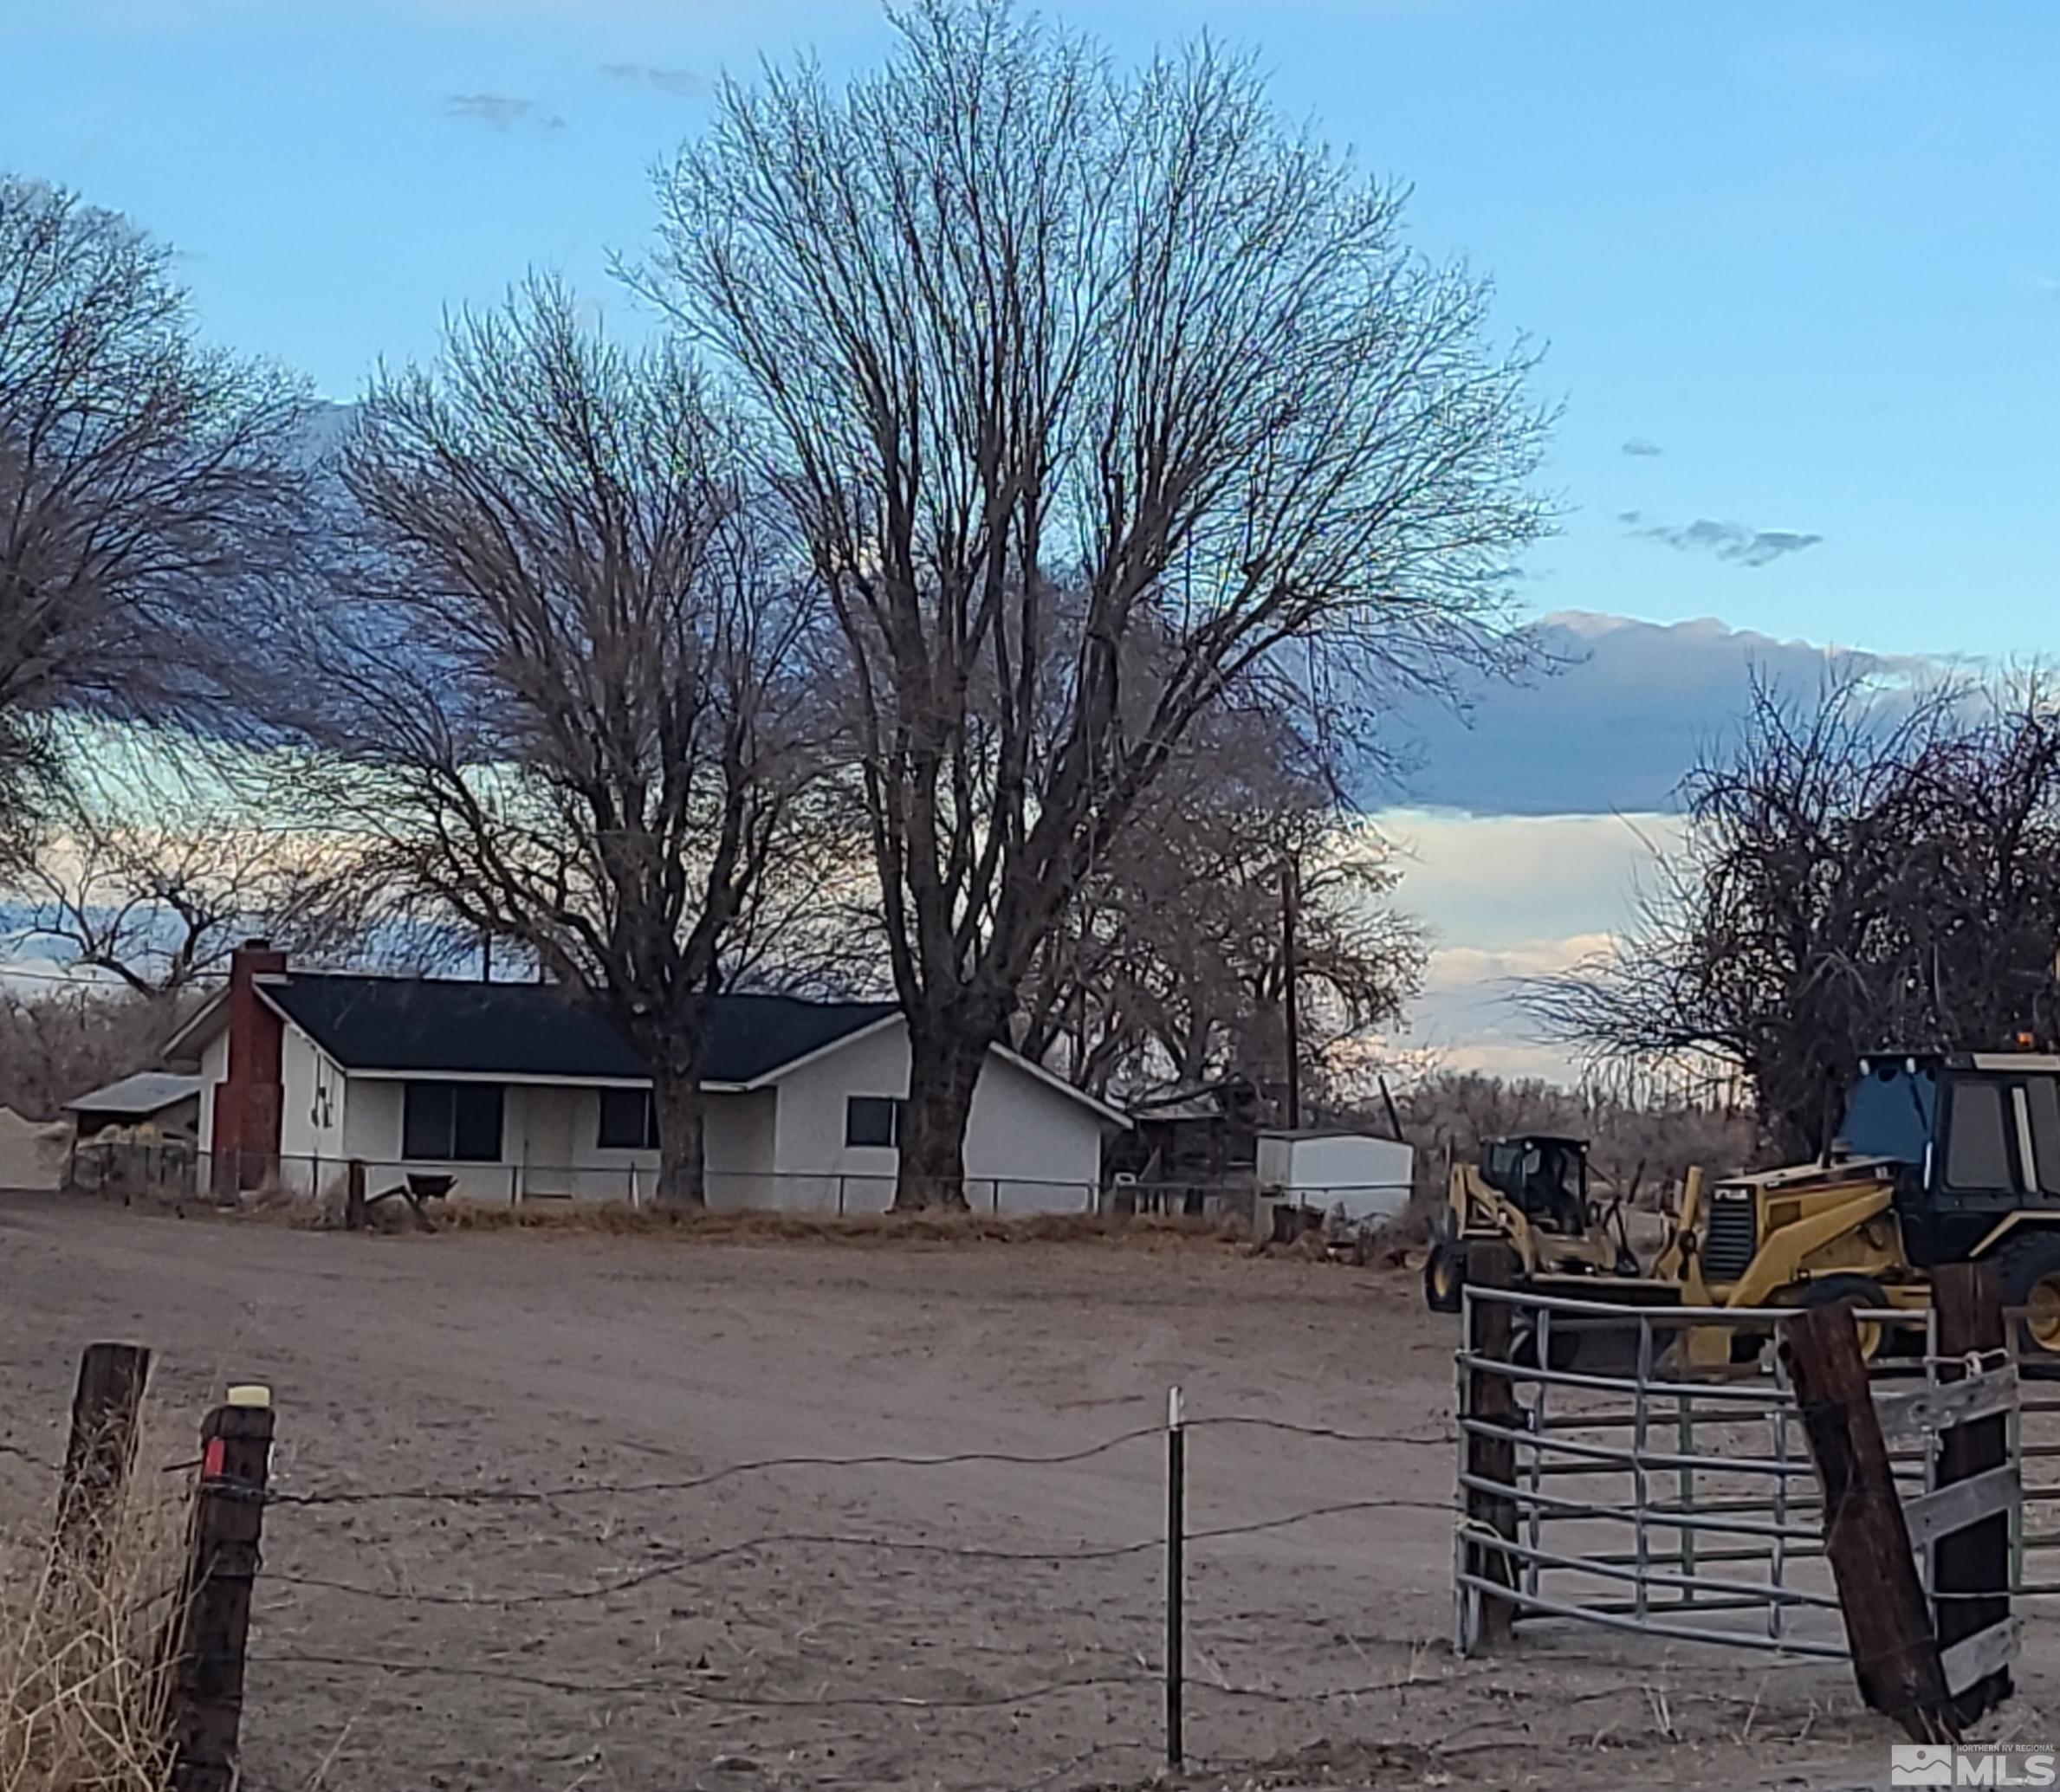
{"x": 1863, "y": 870}
{"x": 163, "y": 851}
{"x": 1056, "y": 359}
{"x": 151, "y": 489}
{"x": 1172, "y": 960}
{"x": 574, "y": 689}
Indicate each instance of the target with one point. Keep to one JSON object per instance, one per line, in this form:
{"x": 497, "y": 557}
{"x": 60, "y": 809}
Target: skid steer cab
{"x": 1941, "y": 1159}
{"x": 1531, "y": 1191}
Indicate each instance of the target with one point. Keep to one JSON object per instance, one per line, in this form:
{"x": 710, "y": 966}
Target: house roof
{"x": 147, "y": 1093}
{"x": 427, "y": 1026}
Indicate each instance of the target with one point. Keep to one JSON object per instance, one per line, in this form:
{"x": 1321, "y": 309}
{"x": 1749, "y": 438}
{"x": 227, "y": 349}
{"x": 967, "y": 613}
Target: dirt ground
{"x": 596, "y": 1640}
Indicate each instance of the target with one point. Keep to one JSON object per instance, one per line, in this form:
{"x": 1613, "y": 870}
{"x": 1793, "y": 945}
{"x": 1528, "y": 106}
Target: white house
{"x": 520, "y": 1093}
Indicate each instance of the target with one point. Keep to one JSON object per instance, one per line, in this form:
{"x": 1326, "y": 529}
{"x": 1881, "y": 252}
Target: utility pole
{"x": 1291, "y": 902}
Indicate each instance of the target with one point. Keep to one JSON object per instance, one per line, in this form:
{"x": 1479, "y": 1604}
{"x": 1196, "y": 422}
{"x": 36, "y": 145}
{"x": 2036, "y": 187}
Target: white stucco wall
{"x": 373, "y": 1116}
{"x": 1029, "y": 1147}
{"x": 214, "y": 1066}
{"x": 311, "y": 1114}
{"x": 371, "y": 1119}
{"x": 551, "y": 1149}
{"x": 312, "y": 1132}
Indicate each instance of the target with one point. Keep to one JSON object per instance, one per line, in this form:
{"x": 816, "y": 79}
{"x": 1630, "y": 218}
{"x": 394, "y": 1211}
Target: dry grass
{"x": 759, "y": 1226}
{"x": 84, "y": 1693}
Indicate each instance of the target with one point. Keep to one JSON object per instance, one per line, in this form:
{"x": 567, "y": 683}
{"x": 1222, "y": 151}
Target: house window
{"x": 628, "y": 1121}
{"x": 873, "y": 1120}
{"x": 452, "y": 1122}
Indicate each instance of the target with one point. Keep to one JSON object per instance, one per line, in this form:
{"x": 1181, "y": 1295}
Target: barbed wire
{"x": 674, "y": 1687}
{"x": 1146, "y": 1675}
{"x": 1330, "y": 1432}
{"x": 15, "y": 1453}
{"x": 574, "y": 1490}
{"x": 772, "y": 1540}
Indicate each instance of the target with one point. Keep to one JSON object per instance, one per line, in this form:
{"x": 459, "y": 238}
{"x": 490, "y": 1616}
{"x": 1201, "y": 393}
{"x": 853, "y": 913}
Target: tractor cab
{"x": 1543, "y": 1176}
{"x": 1975, "y": 1138}
{"x": 1943, "y": 1158}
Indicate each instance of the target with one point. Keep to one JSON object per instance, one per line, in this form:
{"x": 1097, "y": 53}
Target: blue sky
{"x": 1797, "y": 266}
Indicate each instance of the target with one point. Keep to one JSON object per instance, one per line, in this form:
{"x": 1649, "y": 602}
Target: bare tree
{"x": 58, "y": 1040}
{"x": 1647, "y": 1141}
{"x": 163, "y": 851}
{"x": 572, "y": 690}
{"x": 1058, "y": 361}
{"x": 150, "y": 489}
{"x": 1860, "y": 873}
{"x": 1171, "y": 960}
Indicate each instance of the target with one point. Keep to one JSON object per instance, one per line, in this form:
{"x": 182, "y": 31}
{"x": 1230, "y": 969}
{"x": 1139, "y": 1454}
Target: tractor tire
{"x": 1444, "y": 1275}
{"x": 1852, "y": 1291}
{"x": 2028, "y": 1267}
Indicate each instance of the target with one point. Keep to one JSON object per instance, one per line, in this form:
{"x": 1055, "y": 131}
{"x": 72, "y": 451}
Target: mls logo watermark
{"x": 1942, "y": 1765}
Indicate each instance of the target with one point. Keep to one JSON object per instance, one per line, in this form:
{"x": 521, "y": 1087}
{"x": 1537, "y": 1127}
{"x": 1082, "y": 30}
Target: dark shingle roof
{"x": 533, "y": 1030}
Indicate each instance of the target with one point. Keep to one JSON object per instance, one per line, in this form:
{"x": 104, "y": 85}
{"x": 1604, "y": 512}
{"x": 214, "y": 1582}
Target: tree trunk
{"x": 944, "y": 1063}
{"x": 678, "y": 1105}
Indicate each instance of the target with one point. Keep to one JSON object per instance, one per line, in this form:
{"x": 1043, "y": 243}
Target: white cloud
{"x": 1498, "y": 882}
{"x": 1613, "y": 717}
{"x": 1509, "y": 897}
{"x": 1473, "y": 967}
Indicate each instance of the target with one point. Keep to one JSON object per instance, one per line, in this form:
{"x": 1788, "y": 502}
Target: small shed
{"x": 1357, "y": 1179}
{"x": 161, "y": 1099}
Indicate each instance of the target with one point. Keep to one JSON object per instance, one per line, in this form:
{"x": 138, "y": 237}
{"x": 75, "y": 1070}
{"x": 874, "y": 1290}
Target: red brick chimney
{"x": 248, "y": 1100}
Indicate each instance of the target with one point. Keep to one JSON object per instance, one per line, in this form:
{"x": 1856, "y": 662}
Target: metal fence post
{"x": 1176, "y": 1528}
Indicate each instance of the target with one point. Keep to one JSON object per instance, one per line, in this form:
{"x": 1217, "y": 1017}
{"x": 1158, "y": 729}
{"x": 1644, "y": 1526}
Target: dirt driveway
{"x": 618, "y": 1634}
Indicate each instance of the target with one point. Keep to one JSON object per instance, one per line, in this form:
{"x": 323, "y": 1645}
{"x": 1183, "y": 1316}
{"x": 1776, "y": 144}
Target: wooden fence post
{"x": 1973, "y": 1561}
{"x": 353, "y": 1196}
{"x": 1887, "y": 1626}
{"x": 235, "y": 1446}
{"x": 105, "y": 1408}
{"x": 1490, "y": 1398}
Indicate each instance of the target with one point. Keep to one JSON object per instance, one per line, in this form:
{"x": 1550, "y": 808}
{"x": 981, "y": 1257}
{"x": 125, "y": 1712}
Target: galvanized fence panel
{"x": 1683, "y": 1504}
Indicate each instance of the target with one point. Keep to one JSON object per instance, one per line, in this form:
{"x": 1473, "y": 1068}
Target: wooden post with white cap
{"x": 235, "y": 1454}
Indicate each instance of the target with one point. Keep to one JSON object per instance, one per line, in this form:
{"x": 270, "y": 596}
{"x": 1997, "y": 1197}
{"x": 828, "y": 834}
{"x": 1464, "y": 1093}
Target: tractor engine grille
{"x": 1731, "y": 1235}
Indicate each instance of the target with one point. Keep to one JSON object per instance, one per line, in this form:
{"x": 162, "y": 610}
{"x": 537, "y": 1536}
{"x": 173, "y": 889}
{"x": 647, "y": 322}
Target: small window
{"x": 628, "y": 1121}
{"x": 452, "y": 1122}
{"x": 2042, "y": 1094}
{"x": 1977, "y": 1147}
{"x": 873, "y": 1120}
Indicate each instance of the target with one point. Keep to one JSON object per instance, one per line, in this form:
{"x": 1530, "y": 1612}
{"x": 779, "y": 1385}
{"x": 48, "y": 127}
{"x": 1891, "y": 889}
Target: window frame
{"x": 602, "y": 1141}
{"x": 897, "y": 1111}
{"x": 2004, "y": 1140}
{"x": 451, "y": 1126}
{"x": 2042, "y": 1115}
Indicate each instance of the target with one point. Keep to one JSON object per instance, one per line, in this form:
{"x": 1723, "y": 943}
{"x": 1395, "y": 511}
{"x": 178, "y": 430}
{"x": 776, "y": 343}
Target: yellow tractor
{"x": 1941, "y": 1159}
{"x": 1531, "y": 1193}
